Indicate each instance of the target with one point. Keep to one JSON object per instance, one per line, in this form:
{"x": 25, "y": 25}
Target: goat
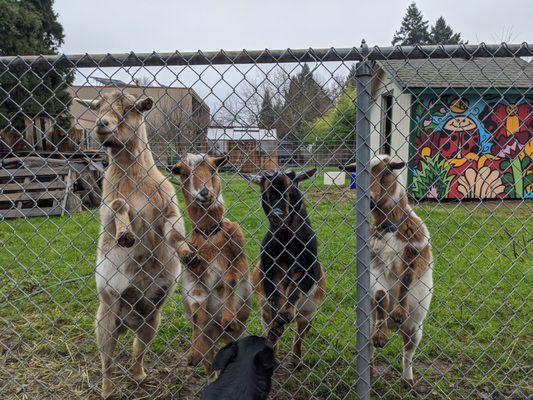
{"x": 289, "y": 281}
{"x": 140, "y": 230}
{"x": 217, "y": 292}
{"x": 401, "y": 262}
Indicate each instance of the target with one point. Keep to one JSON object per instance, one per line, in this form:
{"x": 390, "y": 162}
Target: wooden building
{"x": 250, "y": 149}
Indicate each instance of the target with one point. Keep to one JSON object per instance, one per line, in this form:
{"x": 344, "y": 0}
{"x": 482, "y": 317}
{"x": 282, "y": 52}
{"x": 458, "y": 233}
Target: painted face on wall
{"x": 459, "y": 138}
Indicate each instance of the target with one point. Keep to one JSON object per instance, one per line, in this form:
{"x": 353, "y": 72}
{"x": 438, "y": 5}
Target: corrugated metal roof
{"x": 458, "y": 72}
{"x": 240, "y": 133}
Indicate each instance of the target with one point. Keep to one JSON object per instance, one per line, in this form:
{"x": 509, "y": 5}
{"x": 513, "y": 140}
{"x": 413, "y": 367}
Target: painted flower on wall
{"x": 518, "y": 177}
{"x": 433, "y": 180}
{"x": 483, "y": 183}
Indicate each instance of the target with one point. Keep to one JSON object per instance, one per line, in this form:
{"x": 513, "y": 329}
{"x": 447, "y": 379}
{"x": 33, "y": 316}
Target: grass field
{"x": 478, "y": 333}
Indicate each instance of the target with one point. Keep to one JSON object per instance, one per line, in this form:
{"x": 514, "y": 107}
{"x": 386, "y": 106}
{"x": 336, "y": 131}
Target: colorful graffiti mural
{"x": 473, "y": 147}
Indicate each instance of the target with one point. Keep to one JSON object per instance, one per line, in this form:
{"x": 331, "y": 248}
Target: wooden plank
{"x": 26, "y": 196}
{"x": 32, "y": 186}
{"x": 36, "y": 171}
{"x": 30, "y": 212}
{"x": 34, "y": 160}
{"x": 66, "y": 192}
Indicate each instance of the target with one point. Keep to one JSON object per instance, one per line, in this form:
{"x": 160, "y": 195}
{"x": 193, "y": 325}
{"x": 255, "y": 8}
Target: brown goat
{"x": 217, "y": 292}
{"x": 140, "y": 230}
{"x": 401, "y": 264}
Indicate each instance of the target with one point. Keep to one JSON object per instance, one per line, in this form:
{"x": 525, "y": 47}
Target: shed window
{"x": 386, "y": 124}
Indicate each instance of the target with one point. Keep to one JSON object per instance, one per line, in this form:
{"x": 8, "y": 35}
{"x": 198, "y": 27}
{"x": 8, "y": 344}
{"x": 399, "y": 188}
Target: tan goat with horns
{"x": 141, "y": 233}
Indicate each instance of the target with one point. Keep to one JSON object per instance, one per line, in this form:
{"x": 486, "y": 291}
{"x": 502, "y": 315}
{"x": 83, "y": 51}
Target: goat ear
{"x": 225, "y": 356}
{"x": 257, "y": 179}
{"x": 348, "y": 168}
{"x": 396, "y": 165}
{"x": 220, "y": 161}
{"x": 92, "y": 104}
{"x": 144, "y": 104}
{"x": 176, "y": 169}
{"x": 302, "y": 176}
{"x": 265, "y": 359}
{"x": 291, "y": 174}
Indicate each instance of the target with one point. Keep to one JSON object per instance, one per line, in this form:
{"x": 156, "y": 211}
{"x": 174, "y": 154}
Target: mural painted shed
{"x": 466, "y": 126}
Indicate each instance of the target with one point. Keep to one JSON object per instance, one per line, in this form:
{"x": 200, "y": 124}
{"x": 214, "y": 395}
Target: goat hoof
{"x": 107, "y": 389}
{"x": 126, "y": 239}
{"x": 186, "y": 255}
{"x": 230, "y": 325}
{"x": 398, "y": 316}
{"x": 191, "y": 262}
{"x": 138, "y": 373}
{"x": 193, "y": 358}
{"x": 286, "y": 317}
{"x": 408, "y": 383}
{"x": 296, "y": 363}
{"x": 380, "y": 341}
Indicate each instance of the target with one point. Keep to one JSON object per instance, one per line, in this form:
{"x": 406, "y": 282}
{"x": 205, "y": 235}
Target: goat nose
{"x": 102, "y": 122}
{"x": 204, "y": 192}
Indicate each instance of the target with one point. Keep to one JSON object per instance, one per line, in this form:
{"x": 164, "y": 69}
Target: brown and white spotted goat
{"x": 217, "y": 292}
{"x": 140, "y": 230}
{"x": 401, "y": 264}
{"x": 289, "y": 281}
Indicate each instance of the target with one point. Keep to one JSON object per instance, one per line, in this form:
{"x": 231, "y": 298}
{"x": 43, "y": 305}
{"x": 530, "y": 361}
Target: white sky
{"x": 102, "y": 26}
{"x": 167, "y": 25}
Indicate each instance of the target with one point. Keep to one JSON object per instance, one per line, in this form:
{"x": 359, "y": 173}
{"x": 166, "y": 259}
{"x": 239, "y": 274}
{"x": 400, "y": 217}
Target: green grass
{"x": 477, "y": 334}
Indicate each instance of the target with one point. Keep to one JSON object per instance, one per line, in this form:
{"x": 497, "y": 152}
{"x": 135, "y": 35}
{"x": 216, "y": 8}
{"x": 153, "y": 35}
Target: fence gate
{"x": 433, "y": 197}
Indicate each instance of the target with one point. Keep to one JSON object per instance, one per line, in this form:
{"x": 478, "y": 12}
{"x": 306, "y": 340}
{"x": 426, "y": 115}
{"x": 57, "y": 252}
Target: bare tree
{"x": 144, "y": 80}
{"x": 243, "y": 105}
{"x": 171, "y": 129}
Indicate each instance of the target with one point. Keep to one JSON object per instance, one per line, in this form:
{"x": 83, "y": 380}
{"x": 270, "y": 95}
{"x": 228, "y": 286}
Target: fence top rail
{"x": 267, "y": 56}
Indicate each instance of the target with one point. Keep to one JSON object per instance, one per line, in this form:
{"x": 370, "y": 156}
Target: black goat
{"x": 289, "y": 281}
{"x": 245, "y": 369}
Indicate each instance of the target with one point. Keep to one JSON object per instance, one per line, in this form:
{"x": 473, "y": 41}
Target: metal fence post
{"x": 363, "y": 81}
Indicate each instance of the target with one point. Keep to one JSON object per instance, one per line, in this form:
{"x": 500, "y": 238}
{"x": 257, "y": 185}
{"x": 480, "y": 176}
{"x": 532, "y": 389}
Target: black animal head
{"x": 281, "y": 196}
{"x": 253, "y": 351}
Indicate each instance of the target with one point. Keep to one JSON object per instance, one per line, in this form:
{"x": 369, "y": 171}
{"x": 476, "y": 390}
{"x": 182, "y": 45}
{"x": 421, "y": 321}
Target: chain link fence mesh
{"x": 460, "y": 117}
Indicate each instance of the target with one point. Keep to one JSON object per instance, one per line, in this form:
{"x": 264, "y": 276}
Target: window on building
{"x": 386, "y": 124}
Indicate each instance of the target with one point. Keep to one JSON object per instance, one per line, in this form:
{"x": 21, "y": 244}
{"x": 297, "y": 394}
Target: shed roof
{"x": 459, "y": 72}
{"x": 240, "y": 133}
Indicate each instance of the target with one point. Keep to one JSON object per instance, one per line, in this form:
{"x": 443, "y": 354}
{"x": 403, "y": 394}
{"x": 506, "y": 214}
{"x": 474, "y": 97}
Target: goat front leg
{"x": 413, "y": 260}
{"x": 196, "y": 303}
{"x": 123, "y": 232}
{"x": 380, "y": 303}
{"x": 287, "y": 312}
{"x": 400, "y": 311}
{"x": 175, "y": 239}
{"x": 232, "y": 279}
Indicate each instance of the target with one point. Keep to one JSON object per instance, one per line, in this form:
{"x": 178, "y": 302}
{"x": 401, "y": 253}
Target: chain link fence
{"x": 442, "y": 224}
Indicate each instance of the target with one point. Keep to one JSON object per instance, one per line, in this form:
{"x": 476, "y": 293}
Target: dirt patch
{"x": 331, "y": 195}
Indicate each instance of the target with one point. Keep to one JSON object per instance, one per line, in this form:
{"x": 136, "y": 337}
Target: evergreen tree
{"x": 267, "y": 114}
{"x": 414, "y": 29}
{"x": 30, "y": 27}
{"x": 337, "y": 126}
{"x": 305, "y": 100}
{"x": 350, "y": 79}
{"x": 442, "y": 33}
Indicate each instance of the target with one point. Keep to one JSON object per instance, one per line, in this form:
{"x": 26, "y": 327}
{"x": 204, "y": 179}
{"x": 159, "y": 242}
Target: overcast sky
{"x": 102, "y": 26}
{"x": 165, "y": 25}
